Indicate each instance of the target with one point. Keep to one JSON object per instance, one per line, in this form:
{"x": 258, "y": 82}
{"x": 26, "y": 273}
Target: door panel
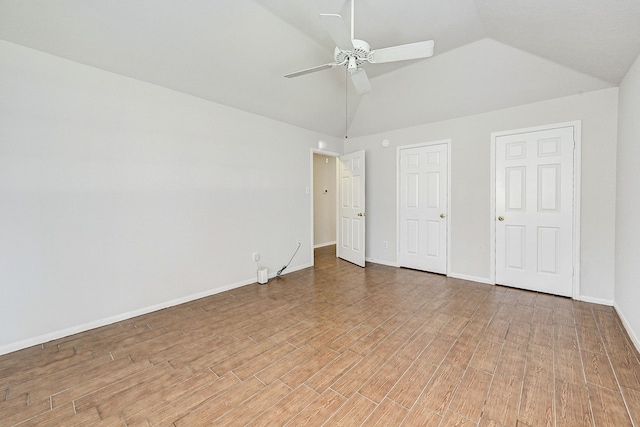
{"x": 516, "y": 185}
{"x": 433, "y": 239}
{"x": 413, "y": 236}
{"x": 413, "y": 186}
{"x": 549, "y": 250}
{"x": 433, "y": 190}
{"x": 516, "y": 247}
{"x": 351, "y": 241}
{"x": 549, "y": 188}
{"x": 423, "y": 211}
{"x": 534, "y": 210}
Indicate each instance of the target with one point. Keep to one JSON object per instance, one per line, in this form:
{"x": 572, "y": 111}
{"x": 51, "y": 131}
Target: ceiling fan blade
{"x": 338, "y": 31}
{"x": 402, "y": 52}
{"x": 361, "y": 82}
{"x": 311, "y": 70}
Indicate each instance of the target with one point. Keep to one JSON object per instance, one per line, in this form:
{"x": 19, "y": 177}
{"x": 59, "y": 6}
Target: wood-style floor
{"x": 338, "y": 345}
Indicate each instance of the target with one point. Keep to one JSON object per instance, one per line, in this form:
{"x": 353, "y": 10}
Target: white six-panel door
{"x": 534, "y": 210}
{"x": 351, "y": 211}
{"x": 423, "y": 210}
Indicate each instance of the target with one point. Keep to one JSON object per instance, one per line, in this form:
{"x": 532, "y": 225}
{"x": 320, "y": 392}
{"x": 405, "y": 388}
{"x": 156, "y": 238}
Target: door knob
{"x": 500, "y": 218}
{"x": 442, "y": 215}
{"x": 362, "y": 214}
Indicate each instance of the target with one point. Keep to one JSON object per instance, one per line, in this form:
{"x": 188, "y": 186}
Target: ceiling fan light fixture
{"x": 353, "y": 66}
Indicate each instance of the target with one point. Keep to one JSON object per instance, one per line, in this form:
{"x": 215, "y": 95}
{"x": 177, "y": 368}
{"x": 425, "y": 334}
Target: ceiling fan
{"x": 352, "y": 52}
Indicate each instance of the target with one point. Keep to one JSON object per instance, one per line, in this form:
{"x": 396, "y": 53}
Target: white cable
{"x": 294, "y": 254}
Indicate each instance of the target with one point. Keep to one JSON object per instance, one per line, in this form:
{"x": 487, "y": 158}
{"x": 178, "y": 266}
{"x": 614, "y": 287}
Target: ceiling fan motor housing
{"x": 360, "y": 54}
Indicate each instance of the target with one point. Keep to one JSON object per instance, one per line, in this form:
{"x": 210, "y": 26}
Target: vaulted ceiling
{"x": 489, "y": 54}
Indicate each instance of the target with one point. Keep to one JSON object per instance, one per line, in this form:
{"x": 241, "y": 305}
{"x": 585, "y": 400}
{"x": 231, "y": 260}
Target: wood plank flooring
{"x": 337, "y": 345}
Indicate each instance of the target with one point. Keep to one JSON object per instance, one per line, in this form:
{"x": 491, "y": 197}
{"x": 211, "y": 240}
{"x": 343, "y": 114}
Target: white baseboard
{"x": 322, "y": 245}
{"x": 593, "y": 300}
{"x": 627, "y": 327}
{"x": 454, "y": 275}
{"x": 471, "y": 278}
{"x": 9, "y": 348}
{"x": 379, "y": 261}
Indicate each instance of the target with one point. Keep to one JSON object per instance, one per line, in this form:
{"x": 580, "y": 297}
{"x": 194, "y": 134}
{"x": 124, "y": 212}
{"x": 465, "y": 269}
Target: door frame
{"x": 447, "y": 142}
{"x": 312, "y": 214}
{"x": 577, "y": 174}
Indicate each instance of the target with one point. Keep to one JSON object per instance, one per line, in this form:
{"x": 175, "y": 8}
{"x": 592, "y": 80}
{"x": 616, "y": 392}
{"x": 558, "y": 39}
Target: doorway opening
{"x": 349, "y": 194}
{"x": 324, "y": 198}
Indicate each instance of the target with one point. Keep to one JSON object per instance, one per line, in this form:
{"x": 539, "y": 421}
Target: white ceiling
{"x": 489, "y": 54}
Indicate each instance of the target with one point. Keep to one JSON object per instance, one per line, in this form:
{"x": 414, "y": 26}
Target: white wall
{"x": 324, "y": 199}
{"x": 118, "y": 197}
{"x": 470, "y": 215}
{"x": 627, "y": 288}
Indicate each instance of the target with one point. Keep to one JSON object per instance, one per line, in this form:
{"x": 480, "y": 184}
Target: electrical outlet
{"x": 256, "y": 256}
{"x": 385, "y": 244}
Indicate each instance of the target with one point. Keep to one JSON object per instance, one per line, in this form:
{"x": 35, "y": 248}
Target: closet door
{"x": 534, "y": 210}
{"x": 423, "y": 210}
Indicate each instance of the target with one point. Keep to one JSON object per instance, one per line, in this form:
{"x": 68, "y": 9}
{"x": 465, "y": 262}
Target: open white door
{"x": 423, "y": 207}
{"x": 351, "y": 213}
{"x": 534, "y": 210}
